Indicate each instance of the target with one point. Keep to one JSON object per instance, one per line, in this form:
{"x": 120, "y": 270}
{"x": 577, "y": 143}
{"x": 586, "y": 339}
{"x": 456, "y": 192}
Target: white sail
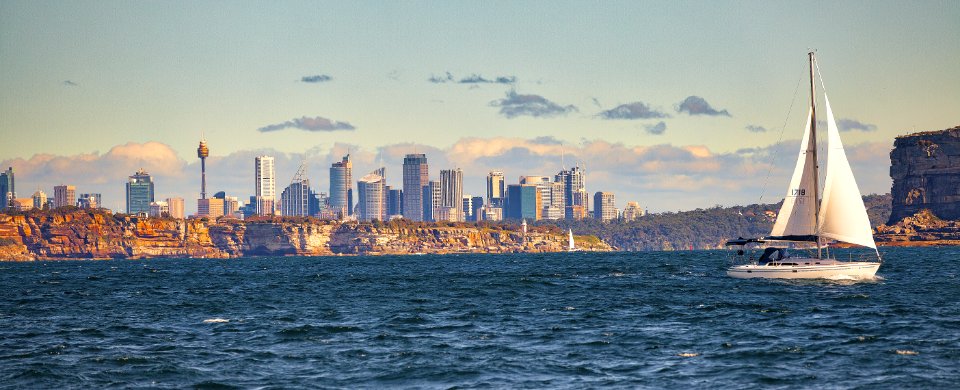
{"x": 570, "y": 243}
{"x": 796, "y": 216}
{"x": 843, "y": 217}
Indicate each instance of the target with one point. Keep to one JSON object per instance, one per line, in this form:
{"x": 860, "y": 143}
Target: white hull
{"x": 806, "y": 269}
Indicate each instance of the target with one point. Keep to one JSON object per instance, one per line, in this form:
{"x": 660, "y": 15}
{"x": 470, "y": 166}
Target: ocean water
{"x": 632, "y": 320}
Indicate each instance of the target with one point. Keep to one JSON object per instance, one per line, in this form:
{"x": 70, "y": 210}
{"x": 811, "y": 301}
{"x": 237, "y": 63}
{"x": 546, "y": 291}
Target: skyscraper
{"x": 394, "y": 201}
{"x": 139, "y": 192}
{"x": 341, "y": 187}
{"x": 372, "y": 196}
{"x": 451, "y": 193}
{"x": 64, "y": 195}
{"x": 295, "y": 199}
{"x": 495, "y": 189}
{"x": 431, "y": 200}
{"x": 575, "y": 194}
{"x": 8, "y": 190}
{"x": 604, "y": 206}
{"x": 523, "y": 202}
{"x": 266, "y": 185}
{"x": 416, "y": 175}
{"x": 476, "y": 208}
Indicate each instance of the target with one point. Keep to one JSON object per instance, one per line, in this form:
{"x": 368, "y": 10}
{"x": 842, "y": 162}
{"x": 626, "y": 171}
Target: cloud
{"x": 447, "y": 77}
{"x": 70, "y": 83}
{"x": 537, "y": 106}
{"x": 309, "y": 124}
{"x": 656, "y": 129}
{"x": 847, "y": 124}
{"x": 320, "y": 78}
{"x": 695, "y": 105}
{"x": 635, "y": 110}
{"x": 441, "y": 79}
{"x": 756, "y": 129}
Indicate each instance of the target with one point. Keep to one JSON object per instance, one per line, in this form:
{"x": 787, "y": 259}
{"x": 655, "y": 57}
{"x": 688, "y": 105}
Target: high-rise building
{"x": 8, "y": 189}
{"x": 295, "y": 199}
{"x": 524, "y": 202}
{"x": 467, "y": 208}
{"x": 372, "y": 196}
{"x": 476, "y": 208}
{"x": 394, "y": 202}
{"x": 64, "y": 195}
{"x": 39, "y": 199}
{"x": 416, "y": 175}
{"x": 139, "y": 192}
{"x": 341, "y": 187}
{"x": 90, "y": 201}
{"x": 574, "y": 192}
{"x": 632, "y": 212}
{"x": 495, "y": 188}
{"x": 231, "y": 207}
{"x": 604, "y": 206}
{"x": 159, "y": 209}
{"x": 210, "y": 207}
{"x": 431, "y": 195}
{"x": 451, "y": 193}
{"x": 265, "y": 197}
{"x": 175, "y": 205}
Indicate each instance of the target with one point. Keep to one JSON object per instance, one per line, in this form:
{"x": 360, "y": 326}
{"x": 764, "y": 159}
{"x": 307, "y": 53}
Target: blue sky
{"x": 92, "y": 89}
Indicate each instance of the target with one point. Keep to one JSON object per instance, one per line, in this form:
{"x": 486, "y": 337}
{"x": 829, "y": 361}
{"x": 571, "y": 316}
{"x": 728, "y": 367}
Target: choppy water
{"x": 560, "y": 320}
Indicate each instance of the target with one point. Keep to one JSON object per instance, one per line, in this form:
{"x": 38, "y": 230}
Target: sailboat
{"x": 570, "y": 246}
{"x": 811, "y": 219}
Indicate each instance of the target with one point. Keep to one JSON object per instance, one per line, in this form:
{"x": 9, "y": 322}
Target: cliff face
{"x": 925, "y": 168}
{"x": 82, "y": 234}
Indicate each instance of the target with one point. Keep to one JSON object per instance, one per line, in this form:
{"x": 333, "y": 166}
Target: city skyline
{"x": 655, "y": 111}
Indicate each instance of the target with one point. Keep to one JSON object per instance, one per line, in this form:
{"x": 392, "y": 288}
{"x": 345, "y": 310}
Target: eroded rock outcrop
{"x": 925, "y": 168}
{"x": 98, "y": 235}
{"x": 921, "y": 229}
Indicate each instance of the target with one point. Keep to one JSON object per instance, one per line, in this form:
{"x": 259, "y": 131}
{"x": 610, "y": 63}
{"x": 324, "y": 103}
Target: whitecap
{"x": 217, "y": 320}
{"x": 907, "y": 352}
{"x": 688, "y": 354}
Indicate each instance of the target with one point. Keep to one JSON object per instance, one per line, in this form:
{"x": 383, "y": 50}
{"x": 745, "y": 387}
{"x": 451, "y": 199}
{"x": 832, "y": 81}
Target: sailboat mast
{"x": 816, "y": 162}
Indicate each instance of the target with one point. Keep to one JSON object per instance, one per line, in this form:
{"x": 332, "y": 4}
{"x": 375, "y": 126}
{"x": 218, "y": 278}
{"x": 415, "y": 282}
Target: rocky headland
{"x": 925, "y": 168}
{"x": 84, "y": 234}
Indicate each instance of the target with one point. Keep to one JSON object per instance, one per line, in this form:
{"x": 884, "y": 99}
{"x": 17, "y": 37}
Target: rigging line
{"x": 783, "y": 128}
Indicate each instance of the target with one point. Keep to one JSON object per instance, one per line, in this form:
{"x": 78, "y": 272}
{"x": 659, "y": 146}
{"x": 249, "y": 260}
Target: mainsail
{"x": 843, "y": 217}
{"x": 796, "y": 217}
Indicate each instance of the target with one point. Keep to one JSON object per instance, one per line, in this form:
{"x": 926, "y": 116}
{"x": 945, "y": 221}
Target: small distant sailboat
{"x": 570, "y": 245}
{"x": 809, "y": 218}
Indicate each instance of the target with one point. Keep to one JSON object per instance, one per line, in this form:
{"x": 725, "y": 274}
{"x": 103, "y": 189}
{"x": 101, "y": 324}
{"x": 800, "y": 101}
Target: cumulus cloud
{"x": 320, "y": 78}
{"x": 848, "y": 124}
{"x": 447, "y": 77}
{"x": 656, "y": 129}
{"x": 308, "y": 124}
{"x": 756, "y": 129}
{"x": 695, "y": 105}
{"x": 70, "y": 83}
{"x": 537, "y": 106}
{"x": 635, "y": 110}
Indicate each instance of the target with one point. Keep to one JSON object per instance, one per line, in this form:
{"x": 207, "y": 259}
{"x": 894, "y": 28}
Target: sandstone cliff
{"x": 925, "y": 168}
{"x": 96, "y": 235}
{"x": 921, "y": 229}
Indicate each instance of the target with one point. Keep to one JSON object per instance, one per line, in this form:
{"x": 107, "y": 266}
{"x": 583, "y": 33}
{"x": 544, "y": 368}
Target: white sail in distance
{"x": 843, "y": 217}
{"x": 796, "y": 216}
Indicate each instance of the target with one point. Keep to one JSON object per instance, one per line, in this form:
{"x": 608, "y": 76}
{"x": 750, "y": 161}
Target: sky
{"x": 676, "y": 104}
